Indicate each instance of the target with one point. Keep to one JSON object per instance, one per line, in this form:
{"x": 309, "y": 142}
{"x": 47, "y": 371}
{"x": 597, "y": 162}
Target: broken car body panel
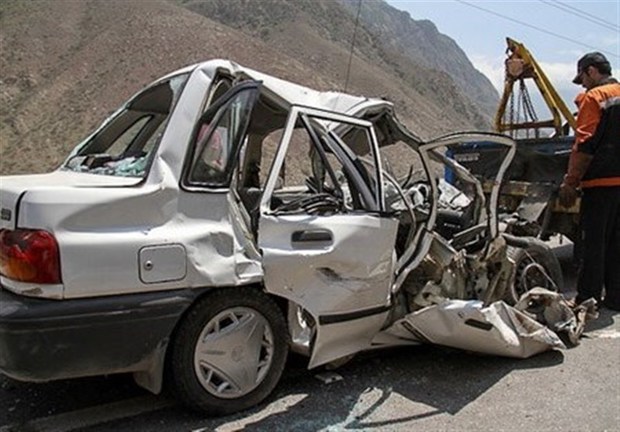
{"x": 497, "y": 329}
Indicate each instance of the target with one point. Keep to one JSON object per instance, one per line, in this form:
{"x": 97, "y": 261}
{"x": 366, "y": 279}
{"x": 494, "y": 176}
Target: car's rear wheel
{"x": 535, "y": 266}
{"x": 229, "y": 351}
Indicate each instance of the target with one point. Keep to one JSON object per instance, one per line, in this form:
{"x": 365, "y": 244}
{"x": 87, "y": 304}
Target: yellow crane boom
{"x": 521, "y": 65}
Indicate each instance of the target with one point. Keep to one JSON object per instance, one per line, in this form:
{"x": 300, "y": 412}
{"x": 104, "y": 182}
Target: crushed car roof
{"x": 289, "y": 92}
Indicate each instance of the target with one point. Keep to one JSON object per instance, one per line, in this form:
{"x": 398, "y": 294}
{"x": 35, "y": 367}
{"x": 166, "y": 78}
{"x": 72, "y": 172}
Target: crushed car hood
{"x": 496, "y": 330}
{"x": 539, "y": 322}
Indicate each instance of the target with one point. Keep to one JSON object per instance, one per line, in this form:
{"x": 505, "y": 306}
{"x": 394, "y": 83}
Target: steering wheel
{"x": 312, "y": 204}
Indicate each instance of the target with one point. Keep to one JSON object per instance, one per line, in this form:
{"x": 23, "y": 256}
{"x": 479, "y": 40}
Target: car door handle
{"x": 312, "y": 236}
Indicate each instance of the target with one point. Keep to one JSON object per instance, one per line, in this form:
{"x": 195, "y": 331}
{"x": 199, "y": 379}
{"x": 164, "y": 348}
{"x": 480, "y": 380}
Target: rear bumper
{"x": 43, "y": 340}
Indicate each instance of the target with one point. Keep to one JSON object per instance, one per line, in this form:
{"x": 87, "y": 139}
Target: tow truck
{"x": 528, "y": 204}
{"x": 528, "y": 198}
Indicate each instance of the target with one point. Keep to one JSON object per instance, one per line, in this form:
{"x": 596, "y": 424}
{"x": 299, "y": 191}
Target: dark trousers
{"x": 600, "y": 246}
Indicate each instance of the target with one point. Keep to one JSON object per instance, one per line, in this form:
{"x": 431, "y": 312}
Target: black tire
{"x": 198, "y": 383}
{"x": 527, "y": 273}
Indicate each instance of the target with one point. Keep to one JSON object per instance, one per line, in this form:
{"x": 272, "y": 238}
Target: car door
{"x": 218, "y": 138}
{"x": 327, "y": 245}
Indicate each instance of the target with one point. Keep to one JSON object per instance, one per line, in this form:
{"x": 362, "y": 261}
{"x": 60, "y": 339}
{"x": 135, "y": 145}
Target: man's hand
{"x": 568, "y": 195}
{"x": 578, "y": 164}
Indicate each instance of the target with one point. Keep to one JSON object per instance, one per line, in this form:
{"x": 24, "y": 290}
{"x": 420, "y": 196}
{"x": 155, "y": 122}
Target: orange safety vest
{"x": 598, "y": 134}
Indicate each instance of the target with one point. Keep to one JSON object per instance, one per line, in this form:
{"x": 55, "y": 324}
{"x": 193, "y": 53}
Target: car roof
{"x": 289, "y": 92}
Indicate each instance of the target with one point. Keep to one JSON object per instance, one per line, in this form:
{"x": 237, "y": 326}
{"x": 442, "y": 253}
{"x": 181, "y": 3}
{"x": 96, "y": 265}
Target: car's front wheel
{"x": 535, "y": 266}
{"x": 229, "y": 352}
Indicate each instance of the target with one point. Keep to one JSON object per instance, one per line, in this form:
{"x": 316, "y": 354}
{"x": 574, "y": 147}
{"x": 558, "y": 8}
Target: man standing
{"x": 594, "y": 166}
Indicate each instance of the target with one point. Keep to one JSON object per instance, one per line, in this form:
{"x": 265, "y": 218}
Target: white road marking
{"x": 604, "y": 334}
{"x": 91, "y": 416}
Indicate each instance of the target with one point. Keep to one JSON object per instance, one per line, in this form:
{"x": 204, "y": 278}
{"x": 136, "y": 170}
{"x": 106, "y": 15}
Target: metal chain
{"x": 529, "y": 106}
{"x": 513, "y": 132}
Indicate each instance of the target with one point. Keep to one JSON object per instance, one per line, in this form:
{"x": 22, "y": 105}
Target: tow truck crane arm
{"x": 521, "y": 65}
{"x": 528, "y": 194}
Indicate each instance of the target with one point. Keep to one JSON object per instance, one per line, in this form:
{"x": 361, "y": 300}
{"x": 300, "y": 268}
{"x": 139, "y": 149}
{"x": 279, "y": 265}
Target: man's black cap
{"x": 590, "y": 59}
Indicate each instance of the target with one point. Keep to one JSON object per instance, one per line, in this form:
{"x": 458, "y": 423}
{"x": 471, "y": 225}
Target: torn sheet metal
{"x": 550, "y": 309}
{"x": 535, "y": 201}
{"x": 498, "y": 329}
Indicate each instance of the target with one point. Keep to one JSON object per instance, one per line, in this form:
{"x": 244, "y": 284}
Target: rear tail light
{"x": 29, "y": 256}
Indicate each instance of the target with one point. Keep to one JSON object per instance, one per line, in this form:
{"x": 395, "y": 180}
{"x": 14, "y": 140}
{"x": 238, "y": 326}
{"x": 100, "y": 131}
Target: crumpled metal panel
{"x": 497, "y": 329}
{"x": 343, "y": 282}
{"x": 550, "y": 308}
{"x": 352, "y": 273}
{"x": 338, "y": 340}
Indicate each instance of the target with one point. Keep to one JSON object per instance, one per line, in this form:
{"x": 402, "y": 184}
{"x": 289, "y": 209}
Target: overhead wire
{"x": 581, "y": 14}
{"x": 536, "y": 28}
{"x": 357, "y": 19}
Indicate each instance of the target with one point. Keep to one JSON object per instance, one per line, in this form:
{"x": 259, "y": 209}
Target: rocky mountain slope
{"x": 421, "y": 41}
{"x": 413, "y": 52}
{"x": 66, "y": 64}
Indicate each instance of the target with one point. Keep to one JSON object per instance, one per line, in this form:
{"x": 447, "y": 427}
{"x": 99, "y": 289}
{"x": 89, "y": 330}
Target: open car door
{"x": 327, "y": 244}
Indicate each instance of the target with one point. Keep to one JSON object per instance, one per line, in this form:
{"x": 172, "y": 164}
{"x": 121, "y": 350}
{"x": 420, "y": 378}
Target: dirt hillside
{"x": 65, "y": 65}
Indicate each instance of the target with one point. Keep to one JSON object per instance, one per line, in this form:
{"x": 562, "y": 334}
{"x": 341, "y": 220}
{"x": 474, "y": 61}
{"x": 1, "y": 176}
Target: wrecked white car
{"x": 223, "y": 216}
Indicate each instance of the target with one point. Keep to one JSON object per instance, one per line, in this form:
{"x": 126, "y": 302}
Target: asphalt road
{"x": 419, "y": 388}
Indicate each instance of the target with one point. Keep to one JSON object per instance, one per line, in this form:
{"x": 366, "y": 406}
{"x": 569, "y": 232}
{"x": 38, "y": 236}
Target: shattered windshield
{"x": 124, "y": 145}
